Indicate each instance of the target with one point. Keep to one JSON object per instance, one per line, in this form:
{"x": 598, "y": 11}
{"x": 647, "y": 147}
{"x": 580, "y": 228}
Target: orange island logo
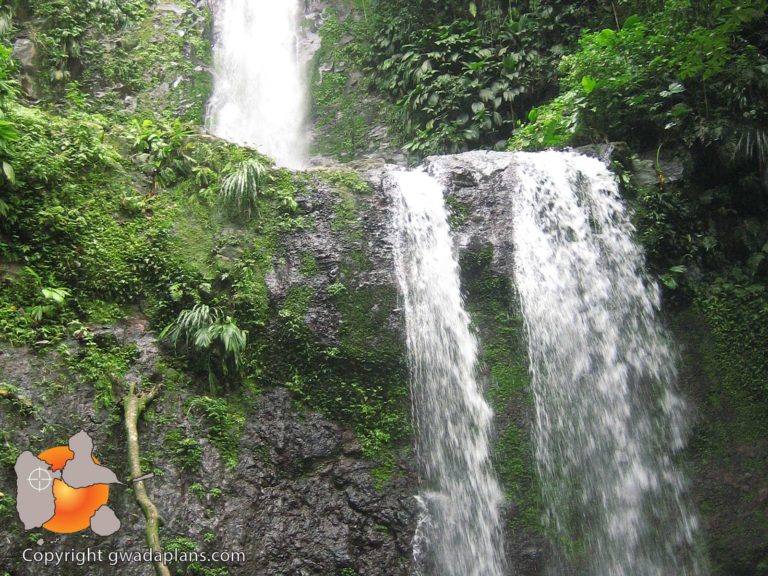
{"x": 65, "y": 489}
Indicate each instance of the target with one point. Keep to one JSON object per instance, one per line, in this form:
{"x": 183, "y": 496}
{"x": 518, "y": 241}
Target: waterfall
{"x": 608, "y": 423}
{"x": 259, "y": 96}
{"x": 459, "y": 530}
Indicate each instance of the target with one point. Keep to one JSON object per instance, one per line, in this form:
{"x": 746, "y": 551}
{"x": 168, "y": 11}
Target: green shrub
{"x": 211, "y": 338}
{"x": 688, "y": 72}
{"x": 242, "y": 186}
{"x": 65, "y": 24}
{"x": 464, "y": 76}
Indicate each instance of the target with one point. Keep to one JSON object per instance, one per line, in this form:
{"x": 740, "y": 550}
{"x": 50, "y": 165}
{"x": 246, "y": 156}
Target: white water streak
{"x": 260, "y": 93}
{"x": 607, "y": 420}
{"x": 461, "y": 534}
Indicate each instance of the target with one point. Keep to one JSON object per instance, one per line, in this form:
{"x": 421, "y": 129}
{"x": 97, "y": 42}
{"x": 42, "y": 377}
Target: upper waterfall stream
{"x": 607, "y": 420}
{"x": 259, "y": 97}
{"x": 459, "y": 532}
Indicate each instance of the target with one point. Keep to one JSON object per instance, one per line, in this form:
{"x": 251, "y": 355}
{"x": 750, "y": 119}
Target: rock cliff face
{"x": 301, "y": 500}
{"x": 478, "y": 189}
{"x": 300, "y": 497}
{"x": 308, "y": 469}
{"x": 287, "y": 472}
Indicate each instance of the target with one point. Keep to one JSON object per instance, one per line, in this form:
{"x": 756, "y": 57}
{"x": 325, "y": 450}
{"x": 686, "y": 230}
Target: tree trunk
{"x": 133, "y": 405}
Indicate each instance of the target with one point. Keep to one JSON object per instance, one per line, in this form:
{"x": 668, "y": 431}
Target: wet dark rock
{"x": 327, "y": 242}
{"x": 606, "y": 152}
{"x": 25, "y": 53}
{"x": 648, "y": 170}
{"x": 293, "y": 505}
{"x": 478, "y": 190}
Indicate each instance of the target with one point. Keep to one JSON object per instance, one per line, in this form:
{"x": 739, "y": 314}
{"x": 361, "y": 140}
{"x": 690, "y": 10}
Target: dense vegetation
{"x": 464, "y": 74}
{"x": 682, "y": 86}
{"x": 674, "y": 80}
{"x": 113, "y": 203}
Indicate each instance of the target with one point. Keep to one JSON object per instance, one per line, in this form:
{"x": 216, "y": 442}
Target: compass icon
{"x": 40, "y": 479}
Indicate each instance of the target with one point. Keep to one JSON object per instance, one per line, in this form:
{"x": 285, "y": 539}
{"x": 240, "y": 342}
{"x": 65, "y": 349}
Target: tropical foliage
{"x": 207, "y": 334}
{"x": 241, "y": 187}
{"x": 8, "y": 134}
{"x": 114, "y": 205}
{"x": 464, "y": 75}
{"x": 63, "y": 38}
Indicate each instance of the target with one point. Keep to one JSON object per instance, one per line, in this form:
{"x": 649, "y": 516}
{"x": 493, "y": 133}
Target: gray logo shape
{"x": 34, "y": 485}
{"x": 82, "y": 471}
{"x": 40, "y": 479}
{"x": 35, "y": 502}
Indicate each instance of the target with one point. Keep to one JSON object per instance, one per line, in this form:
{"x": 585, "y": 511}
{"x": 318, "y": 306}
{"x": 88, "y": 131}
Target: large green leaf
{"x": 9, "y": 173}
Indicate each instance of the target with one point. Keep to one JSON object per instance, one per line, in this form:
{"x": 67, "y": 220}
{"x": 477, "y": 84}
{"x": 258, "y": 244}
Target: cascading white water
{"x": 459, "y": 531}
{"x": 259, "y": 96}
{"x": 607, "y": 421}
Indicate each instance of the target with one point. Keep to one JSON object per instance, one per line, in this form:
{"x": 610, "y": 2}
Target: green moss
{"x": 296, "y": 303}
{"x": 7, "y": 507}
{"x": 738, "y": 318}
{"x": 185, "y": 452}
{"x": 179, "y": 544}
{"x": 10, "y": 452}
{"x": 458, "y": 212}
{"x": 724, "y": 371}
{"x": 338, "y": 103}
{"x": 347, "y": 181}
{"x": 509, "y": 375}
{"x": 361, "y": 382}
{"x": 384, "y": 471}
{"x": 364, "y": 311}
{"x": 308, "y": 265}
{"x": 497, "y": 318}
{"x": 347, "y": 220}
{"x": 100, "y": 312}
{"x": 223, "y": 421}
{"x": 513, "y": 464}
{"x": 194, "y": 234}
{"x": 336, "y": 290}
{"x": 103, "y": 365}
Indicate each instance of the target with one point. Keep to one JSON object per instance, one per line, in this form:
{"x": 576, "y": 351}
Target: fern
{"x": 6, "y": 21}
{"x": 211, "y": 337}
{"x": 190, "y": 323}
{"x": 241, "y": 188}
{"x": 753, "y": 143}
{"x": 232, "y": 338}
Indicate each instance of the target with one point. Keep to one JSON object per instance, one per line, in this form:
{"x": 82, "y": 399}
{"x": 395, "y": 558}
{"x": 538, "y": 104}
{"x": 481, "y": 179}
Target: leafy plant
{"x": 225, "y": 425}
{"x": 685, "y": 72}
{"x": 6, "y": 19}
{"x": 8, "y": 133}
{"x": 185, "y": 451}
{"x": 242, "y": 186}
{"x": 102, "y": 364}
{"x": 464, "y": 77}
{"x": 160, "y": 145}
{"x": 205, "y": 331}
{"x": 65, "y": 24}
